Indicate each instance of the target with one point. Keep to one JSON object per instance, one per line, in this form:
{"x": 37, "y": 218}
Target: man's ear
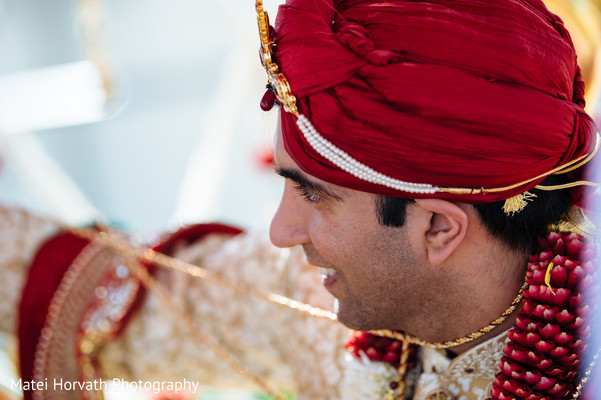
{"x": 445, "y": 230}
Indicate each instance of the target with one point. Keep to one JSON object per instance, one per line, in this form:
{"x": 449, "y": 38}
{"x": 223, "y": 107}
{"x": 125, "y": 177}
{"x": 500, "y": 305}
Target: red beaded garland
{"x": 548, "y": 342}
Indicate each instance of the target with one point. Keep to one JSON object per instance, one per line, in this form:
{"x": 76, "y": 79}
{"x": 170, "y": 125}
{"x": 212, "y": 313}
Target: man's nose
{"x": 289, "y": 224}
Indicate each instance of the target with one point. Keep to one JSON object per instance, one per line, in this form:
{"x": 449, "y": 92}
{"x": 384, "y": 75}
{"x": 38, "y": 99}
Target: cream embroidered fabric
{"x": 20, "y": 236}
{"x": 282, "y": 346}
{"x": 468, "y": 377}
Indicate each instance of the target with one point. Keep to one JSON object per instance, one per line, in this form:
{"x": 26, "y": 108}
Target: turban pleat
{"x": 450, "y": 93}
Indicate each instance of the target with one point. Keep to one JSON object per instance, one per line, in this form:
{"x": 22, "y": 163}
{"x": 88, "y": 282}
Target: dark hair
{"x": 519, "y": 232}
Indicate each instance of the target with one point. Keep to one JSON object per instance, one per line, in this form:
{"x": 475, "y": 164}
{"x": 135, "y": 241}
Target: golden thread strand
{"x": 558, "y": 170}
{"x": 566, "y": 185}
{"x": 201, "y": 273}
{"x": 153, "y": 286}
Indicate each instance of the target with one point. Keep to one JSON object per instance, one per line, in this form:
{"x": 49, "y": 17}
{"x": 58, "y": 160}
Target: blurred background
{"x": 145, "y": 114}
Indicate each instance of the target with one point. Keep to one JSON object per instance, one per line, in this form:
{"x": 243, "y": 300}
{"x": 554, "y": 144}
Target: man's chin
{"x": 350, "y": 319}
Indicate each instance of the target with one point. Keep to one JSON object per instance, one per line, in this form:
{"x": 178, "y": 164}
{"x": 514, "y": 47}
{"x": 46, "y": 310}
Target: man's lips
{"x": 329, "y": 276}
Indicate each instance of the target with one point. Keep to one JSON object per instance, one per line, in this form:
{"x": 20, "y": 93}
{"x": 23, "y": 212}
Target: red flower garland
{"x": 377, "y": 348}
{"x": 547, "y": 344}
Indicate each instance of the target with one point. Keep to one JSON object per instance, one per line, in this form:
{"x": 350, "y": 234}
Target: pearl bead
{"x": 347, "y": 163}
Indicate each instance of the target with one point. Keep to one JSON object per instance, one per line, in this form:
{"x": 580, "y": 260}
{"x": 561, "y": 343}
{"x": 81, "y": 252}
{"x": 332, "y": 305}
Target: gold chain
{"x": 459, "y": 341}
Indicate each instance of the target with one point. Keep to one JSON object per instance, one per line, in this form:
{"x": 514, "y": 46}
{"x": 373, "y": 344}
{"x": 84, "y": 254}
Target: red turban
{"x": 450, "y": 93}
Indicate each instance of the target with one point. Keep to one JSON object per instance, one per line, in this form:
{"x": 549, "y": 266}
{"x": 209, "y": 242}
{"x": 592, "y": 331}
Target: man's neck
{"x": 485, "y": 279}
{"x": 504, "y": 326}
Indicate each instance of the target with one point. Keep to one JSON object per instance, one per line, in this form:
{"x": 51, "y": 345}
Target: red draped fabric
{"x": 46, "y": 272}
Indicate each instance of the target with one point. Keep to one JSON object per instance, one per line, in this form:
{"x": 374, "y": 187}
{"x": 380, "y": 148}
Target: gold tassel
{"x": 517, "y": 203}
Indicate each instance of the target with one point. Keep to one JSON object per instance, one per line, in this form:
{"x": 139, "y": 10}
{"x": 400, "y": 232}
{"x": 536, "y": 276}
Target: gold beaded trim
{"x": 68, "y": 303}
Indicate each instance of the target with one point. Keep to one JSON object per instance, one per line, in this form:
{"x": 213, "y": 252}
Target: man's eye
{"x": 309, "y": 195}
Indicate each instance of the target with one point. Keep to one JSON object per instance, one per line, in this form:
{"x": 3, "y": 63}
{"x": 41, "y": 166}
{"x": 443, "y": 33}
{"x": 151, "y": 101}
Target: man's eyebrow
{"x": 301, "y": 179}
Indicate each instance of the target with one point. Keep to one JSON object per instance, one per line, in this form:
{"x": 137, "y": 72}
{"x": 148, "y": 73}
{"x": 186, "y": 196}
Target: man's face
{"x": 371, "y": 268}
